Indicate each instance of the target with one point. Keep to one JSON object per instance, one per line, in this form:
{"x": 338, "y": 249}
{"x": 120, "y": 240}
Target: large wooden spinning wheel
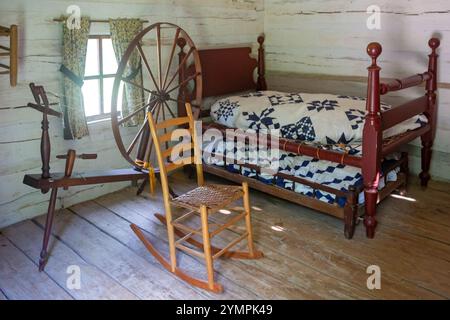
{"x": 152, "y": 67}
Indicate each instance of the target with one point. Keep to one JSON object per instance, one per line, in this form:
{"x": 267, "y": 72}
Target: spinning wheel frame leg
{"x": 48, "y": 229}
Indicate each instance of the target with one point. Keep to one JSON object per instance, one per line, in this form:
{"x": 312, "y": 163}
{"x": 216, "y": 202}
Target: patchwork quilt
{"x": 334, "y": 175}
{"x": 321, "y": 118}
{"x": 332, "y": 120}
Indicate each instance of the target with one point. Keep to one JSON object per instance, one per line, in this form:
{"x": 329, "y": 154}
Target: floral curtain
{"x": 123, "y": 32}
{"x": 74, "y": 57}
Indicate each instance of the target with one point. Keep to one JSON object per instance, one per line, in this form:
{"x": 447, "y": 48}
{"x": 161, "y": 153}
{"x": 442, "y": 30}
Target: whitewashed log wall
{"x": 319, "y": 45}
{"x": 218, "y": 22}
{"x": 310, "y": 46}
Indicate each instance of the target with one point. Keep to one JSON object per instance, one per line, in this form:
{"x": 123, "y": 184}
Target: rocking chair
{"x": 203, "y": 201}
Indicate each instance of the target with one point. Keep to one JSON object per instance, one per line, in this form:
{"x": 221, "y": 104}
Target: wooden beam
{"x": 58, "y": 180}
{"x": 403, "y": 112}
{"x": 94, "y": 20}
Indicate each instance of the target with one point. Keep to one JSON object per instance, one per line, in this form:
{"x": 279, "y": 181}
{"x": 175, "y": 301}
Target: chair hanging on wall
{"x": 202, "y": 202}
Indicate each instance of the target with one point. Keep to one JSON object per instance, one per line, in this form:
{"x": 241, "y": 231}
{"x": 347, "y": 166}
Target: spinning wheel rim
{"x": 162, "y": 84}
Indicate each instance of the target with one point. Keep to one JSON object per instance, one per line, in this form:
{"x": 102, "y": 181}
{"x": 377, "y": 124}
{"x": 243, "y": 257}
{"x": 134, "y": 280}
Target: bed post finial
{"x": 261, "y": 82}
{"x": 181, "y": 109}
{"x": 372, "y": 141}
{"x": 428, "y": 138}
{"x": 374, "y": 50}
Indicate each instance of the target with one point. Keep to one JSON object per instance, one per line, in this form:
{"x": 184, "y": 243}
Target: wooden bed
{"x": 230, "y": 70}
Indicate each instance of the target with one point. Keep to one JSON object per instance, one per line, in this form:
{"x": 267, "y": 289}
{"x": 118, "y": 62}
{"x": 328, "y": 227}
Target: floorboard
{"x": 2, "y": 296}
{"x": 119, "y": 262}
{"x": 19, "y": 278}
{"x": 94, "y": 284}
{"x": 306, "y": 254}
{"x": 263, "y": 276}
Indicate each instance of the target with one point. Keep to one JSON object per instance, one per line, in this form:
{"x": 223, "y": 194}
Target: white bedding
{"x": 322, "y": 118}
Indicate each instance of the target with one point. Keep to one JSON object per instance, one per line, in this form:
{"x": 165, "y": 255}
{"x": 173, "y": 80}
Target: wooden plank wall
{"x": 304, "y": 39}
{"x": 320, "y": 45}
{"x": 218, "y": 22}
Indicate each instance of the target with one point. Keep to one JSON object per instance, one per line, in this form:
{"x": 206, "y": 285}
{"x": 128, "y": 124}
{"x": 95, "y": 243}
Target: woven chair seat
{"x": 213, "y": 196}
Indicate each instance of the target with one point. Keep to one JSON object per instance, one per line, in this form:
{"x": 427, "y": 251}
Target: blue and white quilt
{"x": 321, "y": 118}
{"x": 334, "y": 175}
{"x": 327, "y": 119}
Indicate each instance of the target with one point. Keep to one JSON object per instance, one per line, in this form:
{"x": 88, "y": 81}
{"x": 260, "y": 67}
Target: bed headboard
{"x": 226, "y": 71}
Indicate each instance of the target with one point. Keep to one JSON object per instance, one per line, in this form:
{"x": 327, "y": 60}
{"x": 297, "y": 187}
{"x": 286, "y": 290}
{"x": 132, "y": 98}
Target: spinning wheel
{"x": 158, "y": 84}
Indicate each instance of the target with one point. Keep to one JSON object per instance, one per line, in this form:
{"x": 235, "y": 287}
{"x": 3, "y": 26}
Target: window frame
{"x": 100, "y": 77}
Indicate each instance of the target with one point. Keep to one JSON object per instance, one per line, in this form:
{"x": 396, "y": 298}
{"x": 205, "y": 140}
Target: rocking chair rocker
{"x": 204, "y": 201}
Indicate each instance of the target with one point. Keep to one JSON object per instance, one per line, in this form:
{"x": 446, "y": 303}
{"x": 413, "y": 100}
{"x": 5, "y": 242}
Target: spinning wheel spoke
{"x": 170, "y": 110}
{"x": 164, "y": 119}
{"x": 183, "y": 82}
{"x": 179, "y": 66}
{"x": 141, "y": 129}
{"x": 148, "y": 151}
{"x": 135, "y": 139}
{"x": 137, "y": 85}
{"x": 158, "y": 46}
{"x": 131, "y": 115}
{"x": 176, "y": 100}
{"x": 172, "y": 53}
{"x": 147, "y": 65}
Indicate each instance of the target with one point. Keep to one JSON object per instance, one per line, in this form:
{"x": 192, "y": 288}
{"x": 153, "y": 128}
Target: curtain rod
{"x": 93, "y": 20}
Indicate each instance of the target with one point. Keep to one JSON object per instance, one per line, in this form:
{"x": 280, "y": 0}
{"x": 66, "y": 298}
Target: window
{"x": 99, "y": 73}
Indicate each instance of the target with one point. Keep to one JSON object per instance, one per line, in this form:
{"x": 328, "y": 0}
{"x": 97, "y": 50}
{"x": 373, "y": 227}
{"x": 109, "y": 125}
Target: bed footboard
{"x": 377, "y": 120}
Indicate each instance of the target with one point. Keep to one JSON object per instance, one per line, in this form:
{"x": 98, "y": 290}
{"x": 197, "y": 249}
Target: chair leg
{"x": 171, "y": 236}
{"x": 207, "y": 246}
{"x": 229, "y": 254}
{"x": 246, "y": 198}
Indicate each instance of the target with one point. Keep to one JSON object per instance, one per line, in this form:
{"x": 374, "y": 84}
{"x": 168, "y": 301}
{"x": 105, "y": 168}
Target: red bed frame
{"x": 230, "y": 70}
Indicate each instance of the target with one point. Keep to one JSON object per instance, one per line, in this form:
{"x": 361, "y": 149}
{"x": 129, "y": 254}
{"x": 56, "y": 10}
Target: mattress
{"x": 332, "y": 120}
{"x": 338, "y": 176}
{"x": 321, "y": 118}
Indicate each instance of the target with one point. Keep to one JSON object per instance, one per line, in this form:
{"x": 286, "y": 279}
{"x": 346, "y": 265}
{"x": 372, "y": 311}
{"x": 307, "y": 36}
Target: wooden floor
{"x": 306, "y": 254}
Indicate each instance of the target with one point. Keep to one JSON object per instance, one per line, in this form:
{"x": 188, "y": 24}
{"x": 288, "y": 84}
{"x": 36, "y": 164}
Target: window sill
{"x": 97, "y": 121}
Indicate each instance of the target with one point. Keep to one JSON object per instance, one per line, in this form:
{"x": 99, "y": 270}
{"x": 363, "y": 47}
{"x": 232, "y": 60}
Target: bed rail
{"x": 403, "y": 112}
{"x": 400, "y": 84}
{"x": 293, "y": 146}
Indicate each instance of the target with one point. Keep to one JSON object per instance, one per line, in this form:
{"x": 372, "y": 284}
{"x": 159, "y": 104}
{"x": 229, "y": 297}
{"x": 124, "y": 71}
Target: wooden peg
{"x": 70, "y": 161}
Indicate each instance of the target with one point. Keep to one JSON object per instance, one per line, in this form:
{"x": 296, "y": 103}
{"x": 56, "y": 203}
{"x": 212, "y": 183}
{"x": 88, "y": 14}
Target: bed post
{"x": 430, "y": 113}
{"x": 261, "y": 82}
{"x": 372, "y": 141}
{"x": 351, "y": 213}
{"x": 181, "y": 109}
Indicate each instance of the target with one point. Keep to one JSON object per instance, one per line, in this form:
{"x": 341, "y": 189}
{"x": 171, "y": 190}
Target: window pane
{"x": 109, "y": 57}
{"x": 108, "y": 84}
{"x": 92, "y": 65}
{"x": 91, "y": 96}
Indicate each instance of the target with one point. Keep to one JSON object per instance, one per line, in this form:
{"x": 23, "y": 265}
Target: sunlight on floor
{"x": 397, "y": 196}
{"x": 225, "y": 211}
{"x": 278, "y": 228}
